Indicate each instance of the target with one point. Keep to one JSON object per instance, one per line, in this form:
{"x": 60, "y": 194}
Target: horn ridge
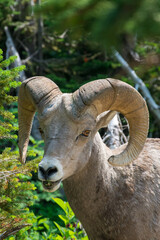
{"x": 91, "y": 93}
{"x": 143, "y": 106}
{"x": 35, "y": 93}
{"x": 115, "y": 95}
{"x": 49, "y": 96}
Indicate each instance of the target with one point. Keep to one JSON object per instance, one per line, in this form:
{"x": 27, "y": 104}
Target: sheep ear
{"x": 104, "y": 118}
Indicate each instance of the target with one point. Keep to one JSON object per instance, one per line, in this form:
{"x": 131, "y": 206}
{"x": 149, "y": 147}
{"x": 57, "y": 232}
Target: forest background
{"x": 71, "y": 43}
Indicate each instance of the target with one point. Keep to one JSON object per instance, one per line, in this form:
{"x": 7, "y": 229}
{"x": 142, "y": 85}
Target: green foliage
{"x": 6, "y": 14}
{"x": 6, "y": 83}
{"x": 70, "y": 62}
{"x": 105, "y": 21}
{"x": 65, "y": 227}
{"x": 71, "y": 228}
{"x": 15, "y": 188}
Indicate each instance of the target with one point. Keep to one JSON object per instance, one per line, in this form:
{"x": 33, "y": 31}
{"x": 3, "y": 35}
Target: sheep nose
{"x": 48, "y": 173}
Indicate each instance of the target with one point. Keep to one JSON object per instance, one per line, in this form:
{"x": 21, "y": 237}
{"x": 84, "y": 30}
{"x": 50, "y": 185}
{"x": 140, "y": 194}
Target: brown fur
{"x": 120, "y": 203}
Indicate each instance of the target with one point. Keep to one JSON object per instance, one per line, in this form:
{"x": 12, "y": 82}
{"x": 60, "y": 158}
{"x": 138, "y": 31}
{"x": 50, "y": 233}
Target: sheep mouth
{"x": 51, "y": 186}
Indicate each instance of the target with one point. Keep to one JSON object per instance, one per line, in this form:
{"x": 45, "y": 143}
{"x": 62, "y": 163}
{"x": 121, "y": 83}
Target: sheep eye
{"x": 85, "y": 133}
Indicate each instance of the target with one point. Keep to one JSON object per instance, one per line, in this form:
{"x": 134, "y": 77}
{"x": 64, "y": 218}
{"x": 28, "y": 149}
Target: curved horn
{"x": 34, "y": 93}
{"x": 111, "y": 94}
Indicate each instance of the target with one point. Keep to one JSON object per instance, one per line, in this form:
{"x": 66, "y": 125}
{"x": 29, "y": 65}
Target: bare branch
{"x": 13, "y": 231}
{"x": 114, "y": 136}
{"x": 155, "y": 109}
{"x": 24, "y": 61}
{"x": 11, "y": 50}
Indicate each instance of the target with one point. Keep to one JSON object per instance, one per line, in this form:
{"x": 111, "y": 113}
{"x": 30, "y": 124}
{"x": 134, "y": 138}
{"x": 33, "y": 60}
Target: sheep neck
{"x": 85, "y": 189}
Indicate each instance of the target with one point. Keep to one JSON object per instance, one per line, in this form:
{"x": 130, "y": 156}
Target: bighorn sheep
{"x": 111, "y": 201}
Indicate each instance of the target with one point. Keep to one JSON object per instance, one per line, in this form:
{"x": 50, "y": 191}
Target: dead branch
{"x": 11, "y": 50}
{"x": 114, "y": 136}
{"x": 155, "y": 109}
{"x": 12, "y": 231}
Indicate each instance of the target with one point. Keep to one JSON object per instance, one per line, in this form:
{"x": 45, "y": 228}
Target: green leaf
{"x": 59, "y": 228}
{"x": 61, "y": 203}
{"x": 64, "y": 219}
{"x": 59, "y": 238}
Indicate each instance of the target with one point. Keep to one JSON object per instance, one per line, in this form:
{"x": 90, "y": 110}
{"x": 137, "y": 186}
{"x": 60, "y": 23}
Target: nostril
{"x": 51, "y": 171}
{"x": 47, "y": 173}
{"x": 42, "y": 171}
